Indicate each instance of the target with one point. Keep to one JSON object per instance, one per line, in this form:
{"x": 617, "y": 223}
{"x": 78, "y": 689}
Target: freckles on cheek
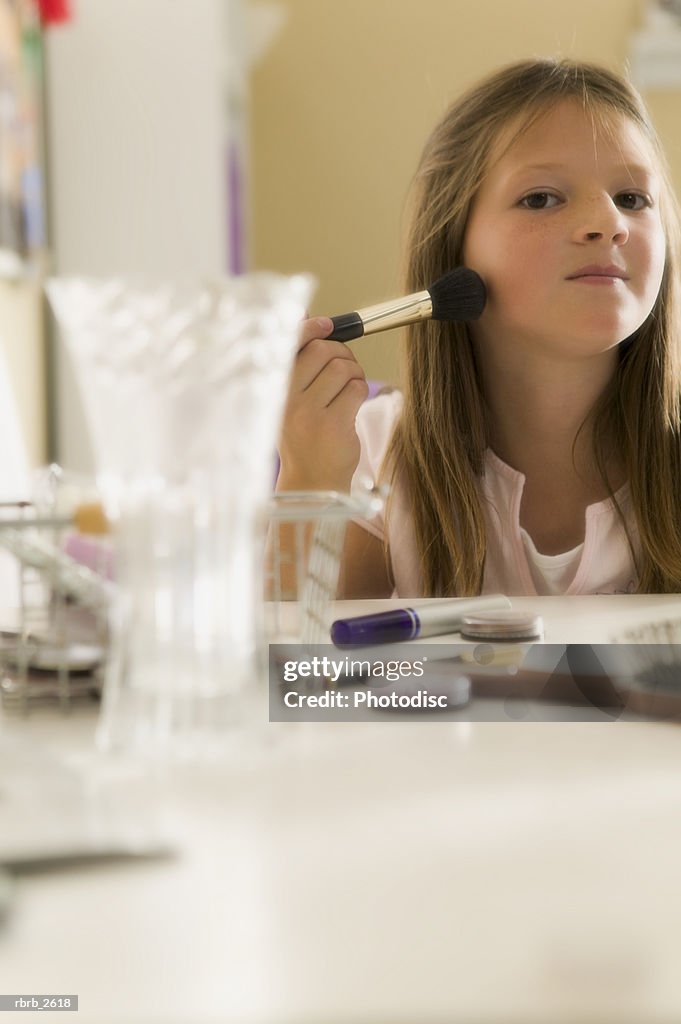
{"x": 508, "y": 253}
{"x": 511, "y": 275}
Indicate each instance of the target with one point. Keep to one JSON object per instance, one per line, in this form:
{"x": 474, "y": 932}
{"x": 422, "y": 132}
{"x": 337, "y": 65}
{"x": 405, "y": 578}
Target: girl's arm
{"x": 319, "y": 449}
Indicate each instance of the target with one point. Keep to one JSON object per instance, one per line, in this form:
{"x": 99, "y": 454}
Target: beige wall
{"x": 21, "y": 338}
{"x": 344, "y": 100}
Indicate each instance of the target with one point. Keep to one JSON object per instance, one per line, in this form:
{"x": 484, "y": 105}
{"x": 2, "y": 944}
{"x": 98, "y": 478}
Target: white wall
{"x": 137, "y": 148}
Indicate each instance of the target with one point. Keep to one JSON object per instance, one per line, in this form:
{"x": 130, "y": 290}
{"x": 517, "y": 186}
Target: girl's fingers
{"x": 334, "y": 377}
{"x": 315, "y": 327}
{"x": 347, "y": 402}
{"x": 314, "y": 355}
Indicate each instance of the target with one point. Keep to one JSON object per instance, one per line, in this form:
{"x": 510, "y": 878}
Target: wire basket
{"x": 54, "y": 636}
{"x": 306, "y": 532}
{"x": 54, "y": 639}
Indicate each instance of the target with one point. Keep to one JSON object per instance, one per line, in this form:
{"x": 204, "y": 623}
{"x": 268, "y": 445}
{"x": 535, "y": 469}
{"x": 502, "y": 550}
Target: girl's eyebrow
{"x": 631, "y": 170}
{"x": 539, "y": 167}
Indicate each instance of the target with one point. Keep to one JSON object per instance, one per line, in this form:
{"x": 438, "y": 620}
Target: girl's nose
{"x": 602, "y": 220}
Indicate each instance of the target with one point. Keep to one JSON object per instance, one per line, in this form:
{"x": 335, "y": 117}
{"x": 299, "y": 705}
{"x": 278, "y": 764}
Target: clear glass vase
{"x": 183, "y": 390}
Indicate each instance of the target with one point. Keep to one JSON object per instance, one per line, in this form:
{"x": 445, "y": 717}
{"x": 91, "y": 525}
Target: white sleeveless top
{"x": 601, "y": 565}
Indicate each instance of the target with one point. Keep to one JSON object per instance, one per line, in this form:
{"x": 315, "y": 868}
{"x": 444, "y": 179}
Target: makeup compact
{"x": 502, "y": 626}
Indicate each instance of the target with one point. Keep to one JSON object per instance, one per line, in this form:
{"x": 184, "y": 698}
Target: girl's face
{"x": 566, "y": 232}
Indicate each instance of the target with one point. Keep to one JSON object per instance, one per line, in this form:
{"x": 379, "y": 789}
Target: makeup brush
{"x": 459, "y": 295}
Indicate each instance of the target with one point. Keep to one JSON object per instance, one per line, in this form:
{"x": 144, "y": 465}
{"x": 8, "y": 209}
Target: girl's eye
{"x": 539, "y": 201}
{"x": 632, "y": 200}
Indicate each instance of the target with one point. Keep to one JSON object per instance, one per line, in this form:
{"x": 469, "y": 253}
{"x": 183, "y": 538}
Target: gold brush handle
{"x": 385, "y": 315}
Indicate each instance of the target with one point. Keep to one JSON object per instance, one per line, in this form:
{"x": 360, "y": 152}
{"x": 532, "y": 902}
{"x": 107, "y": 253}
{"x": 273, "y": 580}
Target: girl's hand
{"x": 319, "y": 447}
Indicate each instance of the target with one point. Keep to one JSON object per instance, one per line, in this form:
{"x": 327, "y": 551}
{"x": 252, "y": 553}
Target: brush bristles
{"x": 459, "y": 295}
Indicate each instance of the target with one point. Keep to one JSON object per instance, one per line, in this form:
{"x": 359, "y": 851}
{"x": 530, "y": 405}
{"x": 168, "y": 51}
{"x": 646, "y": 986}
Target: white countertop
{"x": 568, "y": 620}
{"x": 396, "y": 871}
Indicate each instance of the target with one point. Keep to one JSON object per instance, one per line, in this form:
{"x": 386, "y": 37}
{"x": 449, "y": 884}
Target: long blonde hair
{"x": 438, "y": 447}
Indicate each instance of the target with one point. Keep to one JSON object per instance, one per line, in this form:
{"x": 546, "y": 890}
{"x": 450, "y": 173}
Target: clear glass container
{"x": 183, "y": 389}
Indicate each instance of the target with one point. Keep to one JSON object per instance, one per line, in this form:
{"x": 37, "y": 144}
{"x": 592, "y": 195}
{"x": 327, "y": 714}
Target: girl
{"x": 538, "y": 449}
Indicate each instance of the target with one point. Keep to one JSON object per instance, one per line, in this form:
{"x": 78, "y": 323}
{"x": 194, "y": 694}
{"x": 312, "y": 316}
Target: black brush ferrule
{"x": 346, "y": 327}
